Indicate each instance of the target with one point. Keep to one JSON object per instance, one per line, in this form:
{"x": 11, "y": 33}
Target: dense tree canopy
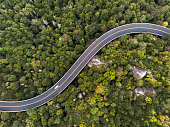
{"x": 41, "y": 39}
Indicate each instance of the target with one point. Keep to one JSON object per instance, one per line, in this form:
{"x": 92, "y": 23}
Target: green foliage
{"x": 94, "y": 110}
{"x": 40, "y": 40}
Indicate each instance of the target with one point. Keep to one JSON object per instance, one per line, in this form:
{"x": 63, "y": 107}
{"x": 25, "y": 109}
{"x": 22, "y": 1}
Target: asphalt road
{"x": 17, "y": 106}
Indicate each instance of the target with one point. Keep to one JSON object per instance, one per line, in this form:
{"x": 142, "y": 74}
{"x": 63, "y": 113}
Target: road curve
{"x": 16, "y": 106}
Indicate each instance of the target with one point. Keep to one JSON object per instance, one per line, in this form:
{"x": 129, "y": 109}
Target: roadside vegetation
{"x": 41, "y": 39}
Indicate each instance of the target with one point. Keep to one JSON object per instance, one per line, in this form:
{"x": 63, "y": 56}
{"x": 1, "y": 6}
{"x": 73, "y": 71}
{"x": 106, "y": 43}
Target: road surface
{"x": 17, "y": 106}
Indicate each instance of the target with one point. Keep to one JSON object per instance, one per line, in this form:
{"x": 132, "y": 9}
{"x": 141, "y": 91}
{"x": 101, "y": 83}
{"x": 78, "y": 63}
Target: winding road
{"x": 17, "y": 106}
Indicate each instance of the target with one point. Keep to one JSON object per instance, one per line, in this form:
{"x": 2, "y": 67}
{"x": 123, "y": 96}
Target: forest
{"x": 41, "y": 39}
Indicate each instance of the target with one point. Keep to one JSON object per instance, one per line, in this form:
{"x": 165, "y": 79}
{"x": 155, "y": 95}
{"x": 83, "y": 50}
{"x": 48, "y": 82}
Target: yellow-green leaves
{"x": 165, "y": 24}
{"x": 35, "y": 64}
{"x": 50, "y": 103}
{"x": 148, "y": 100}
{"x": 59, "y": 112}
{"x": 94, "y": 110}
{"x": 99, "y": 89}
{"x": 113, "y": 105}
